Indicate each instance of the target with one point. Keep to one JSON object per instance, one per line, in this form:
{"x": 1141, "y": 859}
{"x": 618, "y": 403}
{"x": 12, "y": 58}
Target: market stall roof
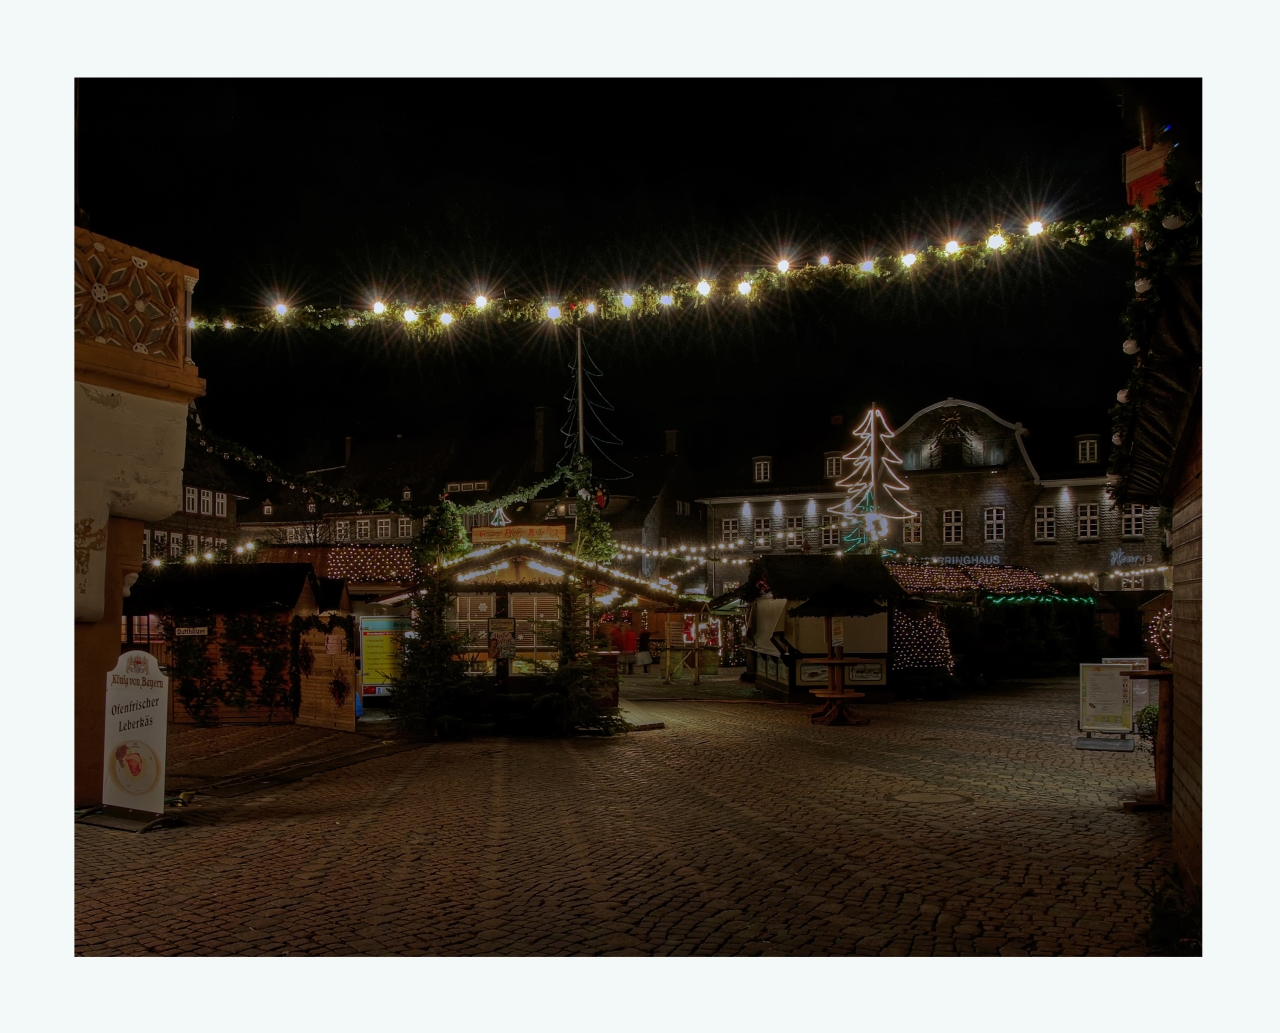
{"x": 859, "y": 585}
{"x": 936, "y": 579}
{"x": 226, "y": 588}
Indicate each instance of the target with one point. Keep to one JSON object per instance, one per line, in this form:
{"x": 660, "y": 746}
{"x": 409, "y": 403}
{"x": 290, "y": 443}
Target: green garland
{"x": 302, "y": 660}
{"x": 648, "y": 300}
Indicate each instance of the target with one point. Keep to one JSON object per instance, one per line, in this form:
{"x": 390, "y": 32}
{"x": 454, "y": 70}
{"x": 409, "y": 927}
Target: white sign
{"x": 1139, "y": 686}
{"x": 837, "y": 632}
{"x": 137, "y": 711}
{"x": 1106, "y": 699}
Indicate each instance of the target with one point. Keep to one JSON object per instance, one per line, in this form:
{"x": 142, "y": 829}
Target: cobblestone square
{"x": 967, "y": 826}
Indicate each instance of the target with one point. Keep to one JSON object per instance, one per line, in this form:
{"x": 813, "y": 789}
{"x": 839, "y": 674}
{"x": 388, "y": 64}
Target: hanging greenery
{"x": 432, "y": 696}
{"x": 302, "y": 660}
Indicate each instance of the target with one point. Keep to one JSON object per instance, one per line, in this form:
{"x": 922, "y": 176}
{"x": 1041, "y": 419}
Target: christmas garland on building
{"x": 431, "y": 321}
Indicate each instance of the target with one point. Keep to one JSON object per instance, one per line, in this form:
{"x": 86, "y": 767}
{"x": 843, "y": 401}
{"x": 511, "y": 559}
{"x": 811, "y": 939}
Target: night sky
{"x": 341, "y": 191}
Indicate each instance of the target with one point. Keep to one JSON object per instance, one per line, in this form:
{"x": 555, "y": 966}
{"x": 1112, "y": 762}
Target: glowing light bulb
{"x": 249, "y": 546}
{"x": 208, "y": 555}
{"x": 824, "y": 260}
{"x": 744, "y": 288}
{"x": 155, "y": 563}
{"x": 591, "y": 308}
{"x": 410, "y": 316}
{"x": 553, "y": 312}
{"x": 628, "y": 301}
{"x": 191, "y": 558}
{"x": 953, "y": 246}
{"x": 191, "y": 324}
{"x": 909, "y": 259}
{"x": 995, "y": 242}
{"x": 481, "y": 301}
{"x": 281, "y": 309}
{"x": 446, "y": 318}
{"x": 666, "y": 299}
{"x": 867, "y": 267}
{"x": 1128, "y": 231}
{"x": 703, "y": 288}
{"x": 1034, "y": 229}
{"x": 379, "y": 308}
{"x": 783, "y": 266}
{"x": 351, "y": 322}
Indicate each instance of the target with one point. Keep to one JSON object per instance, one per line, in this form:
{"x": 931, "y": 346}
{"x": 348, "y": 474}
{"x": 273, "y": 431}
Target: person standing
{"x": 643, "y": 657}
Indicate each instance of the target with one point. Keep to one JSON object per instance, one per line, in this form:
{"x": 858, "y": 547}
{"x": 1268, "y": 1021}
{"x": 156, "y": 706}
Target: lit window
{"x": 830, "y": 530}
{"x": 1132, "y": 582}
{"x": 795, "y": 532}
{"x": 952, "y": 525}
{"x": 833, "y": 466}
{"x": 193, "y": 544}
{"x": 1087, "y": 520}
{"x": 384, "y": 527}
{"x": 175, "y": 546}
{"x": 267, "y": 509}
{"x": 206, "y": 502}
{"x": 1046, "y": 524}
{"x": 405, "y": 527}
{"x": 1087, "y": 450}
{"x": 311, "y": 505}
{"x": 911, "y": 531}
{"x": 220, "y": 504}
{"x": 362, "y": 530}
{"x": 452, "y": 486}
{"x": 729, "y": 529}
{"x": 406, "y": 495}
{"x": 763, "y": 525}
{"x": 482, "y": 485}
{"x": 993, "y": 525}
{"x": 1132, "y": 522}
{"x": 342, "y": 530}
{"x": 190, "y": 500}
{"x": 763, "y": 471}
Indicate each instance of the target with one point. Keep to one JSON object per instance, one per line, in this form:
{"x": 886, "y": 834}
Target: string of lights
{"x": 790, "y": 272}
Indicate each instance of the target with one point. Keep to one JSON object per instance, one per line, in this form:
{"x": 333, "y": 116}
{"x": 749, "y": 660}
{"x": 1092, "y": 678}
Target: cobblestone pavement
{"x": 738, "y": 829}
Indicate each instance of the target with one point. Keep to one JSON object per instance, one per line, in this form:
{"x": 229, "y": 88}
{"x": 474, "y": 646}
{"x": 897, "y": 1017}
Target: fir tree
{"x": 576, "y": 681}
{"x": 432, "y": 695}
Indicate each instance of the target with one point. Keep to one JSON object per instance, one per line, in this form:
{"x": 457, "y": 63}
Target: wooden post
{"x": 1164, "y": 744}
{"x": 831, "y": 671}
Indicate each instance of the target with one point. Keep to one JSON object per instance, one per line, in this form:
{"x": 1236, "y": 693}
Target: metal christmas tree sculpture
{"x": 873, "y": 485}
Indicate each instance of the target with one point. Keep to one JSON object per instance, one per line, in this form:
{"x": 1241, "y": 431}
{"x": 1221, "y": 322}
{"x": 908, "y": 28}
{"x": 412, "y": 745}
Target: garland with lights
{"x": 434, "y": 320}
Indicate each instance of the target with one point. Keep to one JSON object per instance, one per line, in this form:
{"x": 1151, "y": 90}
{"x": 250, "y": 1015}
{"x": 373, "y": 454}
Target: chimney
{"x": 539, "y": 439}
{"x": 347, "y": 453}
{"x": 671, "y": 442}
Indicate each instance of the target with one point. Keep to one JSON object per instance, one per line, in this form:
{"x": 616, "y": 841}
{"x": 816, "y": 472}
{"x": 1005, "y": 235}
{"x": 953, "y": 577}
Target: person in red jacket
{"x": 626, "y": 641}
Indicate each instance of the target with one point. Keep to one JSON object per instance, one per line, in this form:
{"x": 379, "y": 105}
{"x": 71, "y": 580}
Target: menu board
{"x": 1106, "y": 698}
{"x": 381, "y": 650}
{"x": 136, "y": 734}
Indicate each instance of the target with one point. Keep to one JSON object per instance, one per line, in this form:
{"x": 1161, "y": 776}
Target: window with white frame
{"x": 268, "y": 509}
{"x": 362, "y": 530}
{"x": 1132, "y": 522}
{"x": 1132, "y": 582}
{"x": 468, "y": 485}
{"x": 763, "y": 525}
{"x": 292, "y": 534}
{"x": 729, "y": 529}
{"x": 407, "y": 494}
{"x": 384, "y": 527}
{"x": 993, "y": 524}
{"x": 220, "y": 504}
{"x": 159, "y": 542}
{"x": 342, "y": 530}
{"x": 911, "y": 531}
{"x": 1087, "y": 520}
{"x": 220, "y": 544}
{"x": 206, "y": 502}
{"x": 1046, "y": 524}
{"x": 830, "y": 530}
{"x": 683, "y": 508}
{"x": 311, "y": 505}
{"x": 763, "y": 471}
{"x": 404, "y": 527}
{"x": 482, "y": 485}
{"x": 1087, "y": 450}
{"x": 175, "y": 546}
{"x": 190, "y": 500}
{"x": 452, "y": 486}
{"x": 193, "y": 544}
{"x": 833, "y": 466}
{"x": 952, "y": 525}
{"x": 795, "y": 532}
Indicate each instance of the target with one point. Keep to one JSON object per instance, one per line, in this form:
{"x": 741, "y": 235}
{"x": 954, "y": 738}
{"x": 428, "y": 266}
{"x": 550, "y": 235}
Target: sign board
{"x": 865, "y": 672}
{"x": 1106, "y": 702}
{"x": 1139, "y": 687}
{"x": 514, "y": 532}
{"x": 837, "y": 631}
{"x": 137, "y": 712}
{"x": 381, "y": 649}
{"x": 502, "y": 638}
{"x": 190, "y": 632}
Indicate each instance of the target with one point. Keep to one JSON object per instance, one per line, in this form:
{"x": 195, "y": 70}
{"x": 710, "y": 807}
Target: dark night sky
{"x": 322, "y": 191}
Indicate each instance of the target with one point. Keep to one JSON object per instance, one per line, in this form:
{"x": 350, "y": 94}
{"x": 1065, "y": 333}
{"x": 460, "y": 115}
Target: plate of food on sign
{"x": 134, "y": 766}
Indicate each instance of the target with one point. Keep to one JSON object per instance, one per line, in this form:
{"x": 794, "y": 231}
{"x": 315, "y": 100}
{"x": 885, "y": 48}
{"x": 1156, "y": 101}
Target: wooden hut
{"x": 248, "y": 643}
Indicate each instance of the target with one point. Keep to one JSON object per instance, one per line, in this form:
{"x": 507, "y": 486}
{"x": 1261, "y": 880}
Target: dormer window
{"x": 407, "y": 494}
{"x": 267, "y": 509}
{"x": 311, "y": 506}
{"x": 482, "y": 485}
{"x": 468, "y": 485}
{"x": 763, "y": 467}
{"x": 452, "y": 486}
{"x": 832, "y": 463}
{"x": 1087, "y": 450}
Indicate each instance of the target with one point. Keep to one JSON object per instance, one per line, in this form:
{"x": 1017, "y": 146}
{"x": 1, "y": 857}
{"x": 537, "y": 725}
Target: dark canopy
{"x": 833, "y": 586}
{"x": 221, "y": 588}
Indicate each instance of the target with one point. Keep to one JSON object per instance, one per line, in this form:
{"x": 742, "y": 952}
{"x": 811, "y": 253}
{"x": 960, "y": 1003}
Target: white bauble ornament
{"x": 1142, "y": 286}
{"x": 1117, "y": 439}
{"x": 1172, "y": 222}
{"x": 1122, "y": 395}
{"x": 1130, "y": 347}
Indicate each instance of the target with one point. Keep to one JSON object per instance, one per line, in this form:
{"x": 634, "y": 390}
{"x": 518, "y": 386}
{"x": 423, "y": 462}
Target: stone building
{"x": 985, "y": 492}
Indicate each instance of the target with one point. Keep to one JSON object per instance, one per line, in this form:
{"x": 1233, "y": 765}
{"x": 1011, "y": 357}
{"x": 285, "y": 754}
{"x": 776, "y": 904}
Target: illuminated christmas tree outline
{"x": 872, "y": 484}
